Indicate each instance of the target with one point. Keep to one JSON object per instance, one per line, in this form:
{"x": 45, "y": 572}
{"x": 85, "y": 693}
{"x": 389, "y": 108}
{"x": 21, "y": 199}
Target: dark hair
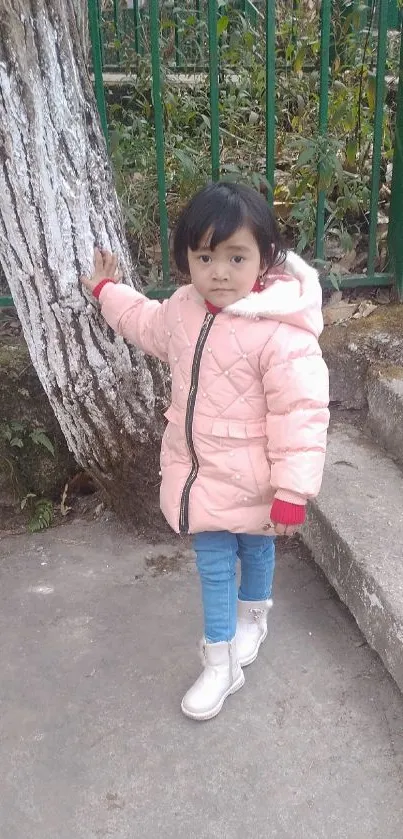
{"x": 224, "y": 207}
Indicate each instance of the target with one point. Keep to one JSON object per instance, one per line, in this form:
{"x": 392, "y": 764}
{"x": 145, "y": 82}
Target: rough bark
{"x": 57, "y": 201}
{"x": 81, "y": 12}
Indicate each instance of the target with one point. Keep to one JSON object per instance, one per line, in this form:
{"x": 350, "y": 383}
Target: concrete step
{"x": 385, "y": 407}
{"x": 355, "y": 532}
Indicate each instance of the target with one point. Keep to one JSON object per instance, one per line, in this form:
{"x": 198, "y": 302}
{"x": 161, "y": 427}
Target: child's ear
{"x": 263, "y": 268}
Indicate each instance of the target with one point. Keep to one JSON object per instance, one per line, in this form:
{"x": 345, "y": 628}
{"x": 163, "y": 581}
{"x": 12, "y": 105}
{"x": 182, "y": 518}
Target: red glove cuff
{"x": 98, "y": 288}
{"x": 284, "y": 513}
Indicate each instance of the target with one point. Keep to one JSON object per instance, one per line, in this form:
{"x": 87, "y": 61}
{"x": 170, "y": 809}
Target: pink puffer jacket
{"x": 249, "y": 415}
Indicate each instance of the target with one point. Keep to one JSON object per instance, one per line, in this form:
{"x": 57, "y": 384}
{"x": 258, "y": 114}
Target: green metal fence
{"x": 376, "y": 18}
{"x": 197, "y": 34}
{"x": 126, "y": 25}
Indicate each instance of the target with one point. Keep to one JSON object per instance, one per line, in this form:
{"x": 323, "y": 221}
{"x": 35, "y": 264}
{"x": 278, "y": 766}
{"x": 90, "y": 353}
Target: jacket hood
{"x": 293, "y": 295}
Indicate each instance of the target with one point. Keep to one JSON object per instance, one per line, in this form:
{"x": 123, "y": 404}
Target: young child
{"x": 245, "y": 443}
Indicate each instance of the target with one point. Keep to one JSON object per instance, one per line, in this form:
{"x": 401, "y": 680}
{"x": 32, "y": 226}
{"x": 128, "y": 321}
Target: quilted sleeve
{"x": 296, "y": 385}
{"x": 139, "y": 320}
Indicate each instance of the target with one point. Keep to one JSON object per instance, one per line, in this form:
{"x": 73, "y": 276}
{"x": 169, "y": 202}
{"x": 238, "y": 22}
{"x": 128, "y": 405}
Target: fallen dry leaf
{"x": 64, "y": 509}
{"x": 365, "y": 308}
{"x": 346, "y": 263}
{"x": 338, "y": 313}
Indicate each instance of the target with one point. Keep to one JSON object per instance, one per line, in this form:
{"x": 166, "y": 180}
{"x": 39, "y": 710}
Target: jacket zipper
{"x": 190, "y": 407}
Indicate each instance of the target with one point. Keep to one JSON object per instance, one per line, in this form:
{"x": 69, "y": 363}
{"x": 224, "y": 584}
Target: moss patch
{"x": 387, "y": 371}
{"x": 379, "y": 337}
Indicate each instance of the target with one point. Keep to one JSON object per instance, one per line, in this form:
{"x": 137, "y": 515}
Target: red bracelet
{"x": 98, "y": 288}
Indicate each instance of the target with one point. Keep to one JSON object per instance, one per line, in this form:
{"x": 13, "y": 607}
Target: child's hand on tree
{"x": 105, "y": 268}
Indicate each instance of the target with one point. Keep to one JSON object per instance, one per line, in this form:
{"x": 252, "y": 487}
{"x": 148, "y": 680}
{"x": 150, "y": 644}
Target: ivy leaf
{"x": 17, "y": 442}
{"x": 39, "y": 438}
{"x": 17, "y": 426}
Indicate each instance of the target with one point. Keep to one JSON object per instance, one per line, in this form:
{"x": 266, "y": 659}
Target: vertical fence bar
{"x": 396, "y": 199}
{"x": 378, "y": 131}
{"x": 199, "y": 35}
{"x": 95, "y": 36}
{"x": 214, "y": 79}
{"x": 326, "y": 13}
{"x": 176, "y": 35}
{"x": 270, "y": 94}
{"x": 116, "y": 24}
{"x": 159, "y": 136}
{"x": 101, "y": 37}
{"x": 136, "y": 25}
{"x": 294, "y": 22}
{"x": 393, "y": 14}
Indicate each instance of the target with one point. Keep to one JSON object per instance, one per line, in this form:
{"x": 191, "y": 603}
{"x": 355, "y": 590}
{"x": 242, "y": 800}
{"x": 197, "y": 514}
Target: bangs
{"x": 214, "y": 222}
{"x": 216, "y": 212}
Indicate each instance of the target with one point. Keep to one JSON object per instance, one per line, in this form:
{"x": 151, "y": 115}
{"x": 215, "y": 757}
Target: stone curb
{"x": 355, "y": 532}
{"x": 385, "y": 407}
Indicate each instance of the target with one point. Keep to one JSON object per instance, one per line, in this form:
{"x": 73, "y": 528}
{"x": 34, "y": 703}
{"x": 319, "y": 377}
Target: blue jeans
{"x": 216, "y": 556}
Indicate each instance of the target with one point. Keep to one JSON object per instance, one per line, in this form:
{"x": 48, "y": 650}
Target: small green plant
{"x": 16, "y": 434}
{"x": 41, "y": 512}
{"x": 15, "y": 437}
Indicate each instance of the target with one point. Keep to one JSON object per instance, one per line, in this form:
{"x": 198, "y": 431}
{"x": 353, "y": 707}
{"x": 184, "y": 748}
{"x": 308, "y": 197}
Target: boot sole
{"x": 245, "y": 661}
{"x": 208, "y": 715}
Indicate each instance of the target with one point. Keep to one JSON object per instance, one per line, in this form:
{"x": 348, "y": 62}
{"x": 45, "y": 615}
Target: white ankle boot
{"x": 251, "y": 628}
{"x": 222, "y": 675}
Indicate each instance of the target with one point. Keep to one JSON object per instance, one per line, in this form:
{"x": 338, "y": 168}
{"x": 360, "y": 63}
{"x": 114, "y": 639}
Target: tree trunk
{"x": 58, "y": 200}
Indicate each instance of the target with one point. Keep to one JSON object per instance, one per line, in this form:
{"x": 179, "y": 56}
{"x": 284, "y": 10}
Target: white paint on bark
{"x": 58, "y": 200}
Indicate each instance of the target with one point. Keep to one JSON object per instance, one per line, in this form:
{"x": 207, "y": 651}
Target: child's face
{"x": 227, "y": 273}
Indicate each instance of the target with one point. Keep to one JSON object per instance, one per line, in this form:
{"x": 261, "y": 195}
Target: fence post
{"x": 378, "y": 132}
{"x": 159, "y": 136}
{"x": 214, "y": 79}
{"x": 326, "y": 11}
{"x": 116, "y": 25}
{"x": 101, "y": 39}
{"x": 199, "y": 37}
{"x": 270, "y": 94}
{"x": 176, "y": 37}
{"x": 137, "y": 27}
{"x": 294, "y": 23}
{"x": 395, "y": 233}
{"x": 95, "y": 36}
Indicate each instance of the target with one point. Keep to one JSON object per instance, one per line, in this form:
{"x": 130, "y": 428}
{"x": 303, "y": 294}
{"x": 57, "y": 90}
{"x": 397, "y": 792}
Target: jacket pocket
{"x": 261, "y": 469}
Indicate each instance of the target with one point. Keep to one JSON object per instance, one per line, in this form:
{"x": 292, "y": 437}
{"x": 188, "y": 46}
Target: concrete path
{"x": 98, "y": 634}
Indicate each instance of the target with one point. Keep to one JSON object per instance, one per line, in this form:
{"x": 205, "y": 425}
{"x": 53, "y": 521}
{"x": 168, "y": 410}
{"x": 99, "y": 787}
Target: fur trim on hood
{"x": 293, "y": 295}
